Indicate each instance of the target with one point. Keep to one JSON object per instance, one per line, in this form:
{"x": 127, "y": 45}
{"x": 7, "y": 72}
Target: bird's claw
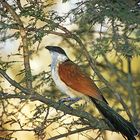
{"x": 70, "y": 100}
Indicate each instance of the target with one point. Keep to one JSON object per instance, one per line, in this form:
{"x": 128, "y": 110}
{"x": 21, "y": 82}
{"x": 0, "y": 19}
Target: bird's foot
{"x": 70, "y": 100}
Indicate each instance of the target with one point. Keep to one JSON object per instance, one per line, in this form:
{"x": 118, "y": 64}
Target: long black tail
{"x": 119, "y": 123}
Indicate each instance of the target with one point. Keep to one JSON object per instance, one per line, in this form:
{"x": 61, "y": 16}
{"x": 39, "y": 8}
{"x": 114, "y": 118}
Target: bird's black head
{"x": 56, "y": 49}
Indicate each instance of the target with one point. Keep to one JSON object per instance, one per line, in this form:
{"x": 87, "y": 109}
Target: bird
{"x": 72, "y": 81}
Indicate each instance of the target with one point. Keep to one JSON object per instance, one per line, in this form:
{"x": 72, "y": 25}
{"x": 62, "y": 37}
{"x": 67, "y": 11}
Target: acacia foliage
{"x": 103, "y": 27}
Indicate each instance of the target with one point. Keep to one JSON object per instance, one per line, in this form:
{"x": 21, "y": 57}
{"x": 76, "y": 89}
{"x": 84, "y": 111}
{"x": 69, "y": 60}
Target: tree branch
{"x": 14, "y": 83}
{"x": 70, "y": 133}
{"x": 26, "y": 51}
{"x": 93, "y": 122}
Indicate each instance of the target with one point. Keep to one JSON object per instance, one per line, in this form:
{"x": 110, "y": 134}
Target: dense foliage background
{"x": 102, "y": 36}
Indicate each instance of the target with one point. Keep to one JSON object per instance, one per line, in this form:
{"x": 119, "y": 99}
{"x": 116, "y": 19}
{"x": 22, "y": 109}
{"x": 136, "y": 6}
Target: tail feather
{"x": 119, "y": 123}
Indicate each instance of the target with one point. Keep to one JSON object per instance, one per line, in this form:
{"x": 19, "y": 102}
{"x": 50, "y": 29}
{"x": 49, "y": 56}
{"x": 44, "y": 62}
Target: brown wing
{"x": 73, "y": 77}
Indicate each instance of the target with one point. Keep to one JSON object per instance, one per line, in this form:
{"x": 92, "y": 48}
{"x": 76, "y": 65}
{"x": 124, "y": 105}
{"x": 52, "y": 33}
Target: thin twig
{"x": 70, "y": 133}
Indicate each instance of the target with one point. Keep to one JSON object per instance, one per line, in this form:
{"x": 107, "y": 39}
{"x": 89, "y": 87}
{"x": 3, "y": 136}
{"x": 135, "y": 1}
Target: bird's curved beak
{"x": 48, "y": 48}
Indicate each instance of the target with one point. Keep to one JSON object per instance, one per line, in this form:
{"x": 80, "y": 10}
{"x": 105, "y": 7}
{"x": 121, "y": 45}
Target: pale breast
{"x": 59, "y": 83}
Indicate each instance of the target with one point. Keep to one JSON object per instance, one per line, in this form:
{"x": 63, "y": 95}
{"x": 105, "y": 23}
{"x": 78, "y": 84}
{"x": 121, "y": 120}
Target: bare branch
{"x": 70, "y": 133}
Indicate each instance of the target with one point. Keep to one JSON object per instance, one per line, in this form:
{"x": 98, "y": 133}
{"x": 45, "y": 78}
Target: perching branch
{"x": 92, "y": 121}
